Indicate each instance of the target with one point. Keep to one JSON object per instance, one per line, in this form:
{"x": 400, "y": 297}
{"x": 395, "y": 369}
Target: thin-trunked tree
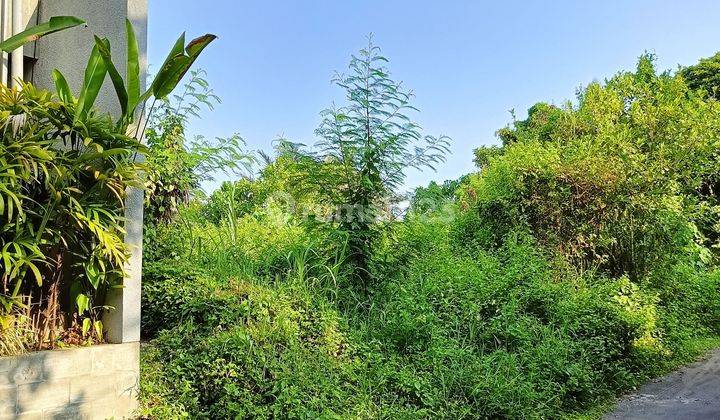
{"x": 365, "y": 148}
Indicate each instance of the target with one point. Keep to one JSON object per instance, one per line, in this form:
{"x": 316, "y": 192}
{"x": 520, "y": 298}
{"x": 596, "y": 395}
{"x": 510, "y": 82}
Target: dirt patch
{"x": 692, "y": 392}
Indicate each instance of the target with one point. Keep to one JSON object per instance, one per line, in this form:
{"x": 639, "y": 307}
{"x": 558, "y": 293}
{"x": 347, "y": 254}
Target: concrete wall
{"x": 68, "y": 51}
{"x": 95, "y": 382}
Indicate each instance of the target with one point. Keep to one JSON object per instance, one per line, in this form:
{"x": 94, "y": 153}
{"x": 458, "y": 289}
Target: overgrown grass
{"x": 448, "y": 334}
{"x": 579, "y": 262}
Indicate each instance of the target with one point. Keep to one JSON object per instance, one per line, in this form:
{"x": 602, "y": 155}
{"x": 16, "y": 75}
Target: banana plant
{"x": 55, "y": 24}
{"x": 100, "y": 64}
{"x": 176, "y": 65}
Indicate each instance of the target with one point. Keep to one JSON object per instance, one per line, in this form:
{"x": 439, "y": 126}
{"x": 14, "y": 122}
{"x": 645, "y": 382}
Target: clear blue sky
{"x": 468, "y": 62}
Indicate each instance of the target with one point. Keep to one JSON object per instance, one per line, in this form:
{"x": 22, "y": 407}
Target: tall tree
{"x": 365, "y": 148}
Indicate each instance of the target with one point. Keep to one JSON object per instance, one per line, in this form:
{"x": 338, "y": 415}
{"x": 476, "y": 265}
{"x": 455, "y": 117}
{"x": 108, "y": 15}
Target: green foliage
{"x": 177, "y": 64}
{"x": 55, "y": 24}
{"x": 542, "y": 119}
{"x": 262, "y": 243}
{"x": 484, "y": 154}
{"x": 179, "y": 293}
{"x": 242, "y": 197}
{"x": 100, "y": 64}
{"x": 62, "y": 195}
{"x": 623, "y": 182}
{"x": 305, "y": 373}
{"x": 64, "y": 172}
{"x": 433, "y": 197}
{"x": 177, "y": 165}
{"x": 576, "y": 264}
{"x": 503, "y": 335}
{"x": 704, "y": 76}
{"x": 364, "y": 150}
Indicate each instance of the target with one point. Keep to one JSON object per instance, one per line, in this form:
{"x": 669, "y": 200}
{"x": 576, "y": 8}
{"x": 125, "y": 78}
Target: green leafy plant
{"x": 100, "y": 64}
{"x": 176, "y": 165}
{"x": 365, "y": 149}
{"x": 704, "y": 76}
{"x": 55, "y": 24}
{"x": 63, "y": 189}
{"x": 576, "y": 264}
{"x": 623, "y": 182}
{"x": 65, "y": 170}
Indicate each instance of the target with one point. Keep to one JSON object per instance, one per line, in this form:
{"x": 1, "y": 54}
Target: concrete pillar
{"x": 124, "y": 324}
{"x": 68, "y": 51}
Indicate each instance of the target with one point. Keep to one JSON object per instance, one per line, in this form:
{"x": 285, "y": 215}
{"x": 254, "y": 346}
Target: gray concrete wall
{"x": 95, "y": 382}
{"x": 68, "y": 51}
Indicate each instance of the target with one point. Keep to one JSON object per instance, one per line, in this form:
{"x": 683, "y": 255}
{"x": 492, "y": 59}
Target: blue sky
{"x": 468, "y": 62}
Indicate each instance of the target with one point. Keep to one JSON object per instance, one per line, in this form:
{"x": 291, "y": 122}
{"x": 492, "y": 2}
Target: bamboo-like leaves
{"x": 55, "y": 24}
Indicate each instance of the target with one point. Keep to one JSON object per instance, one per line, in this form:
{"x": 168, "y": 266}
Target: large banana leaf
{"x": 177, "y": 63}
{"x": 55, "y": 24}
{"x": 94, "y": 77}
{"x": 133, "y": 68}
{"x": 62, "y": 87}
{"x": 103, "y": 46}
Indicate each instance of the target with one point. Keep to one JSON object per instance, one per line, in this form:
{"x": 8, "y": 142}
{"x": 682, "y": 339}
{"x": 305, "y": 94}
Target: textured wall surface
{"x": 68, "y": 51}
{"x": 95, "y": 382}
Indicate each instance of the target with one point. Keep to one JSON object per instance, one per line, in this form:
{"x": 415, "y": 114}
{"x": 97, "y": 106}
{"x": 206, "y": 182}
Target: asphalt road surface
{"x": 693, "y": 392}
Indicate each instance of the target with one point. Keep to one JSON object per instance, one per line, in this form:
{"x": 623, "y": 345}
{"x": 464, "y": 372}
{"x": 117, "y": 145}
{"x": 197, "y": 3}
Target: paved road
{"x": 692, "y": 392}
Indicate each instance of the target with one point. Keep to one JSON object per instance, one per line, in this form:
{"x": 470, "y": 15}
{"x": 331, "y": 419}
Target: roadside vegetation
{"x": 577, "y": 262}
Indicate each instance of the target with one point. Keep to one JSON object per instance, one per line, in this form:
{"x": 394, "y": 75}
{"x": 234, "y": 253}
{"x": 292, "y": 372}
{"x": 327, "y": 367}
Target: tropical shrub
{"x": 177, "y": 165}
{"x": 62, "y": 188}
{"x": 489, "y": 335}
{"x": 364, "y": 150}
{"x": 434, "y": 197}
{"x": 64, "y": 173}
{"x": 302, "y": 340}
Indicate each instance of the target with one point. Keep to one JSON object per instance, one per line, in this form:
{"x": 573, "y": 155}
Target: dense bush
{"x": 492, "y": 335}
{"x": 621, "y": 182}
{"x": 506, "y": 335}
{"x": 62, "y": 187}
{"x": 248, "y": 350}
